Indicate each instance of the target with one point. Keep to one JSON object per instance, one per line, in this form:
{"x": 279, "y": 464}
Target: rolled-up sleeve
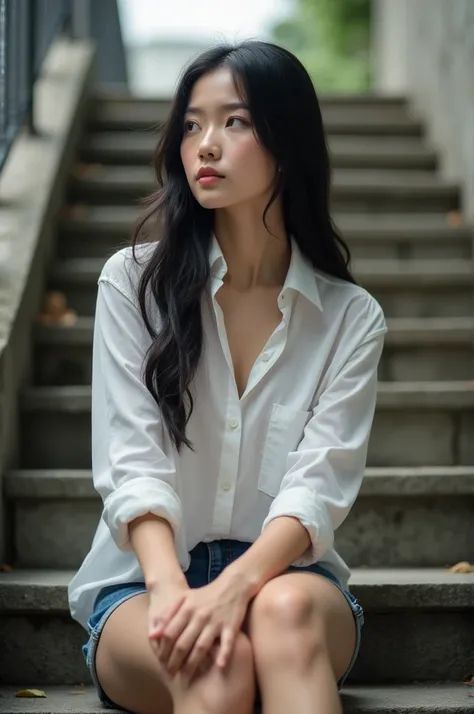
{"x": 131, "y": 470}
{"x": 324, "y": 475}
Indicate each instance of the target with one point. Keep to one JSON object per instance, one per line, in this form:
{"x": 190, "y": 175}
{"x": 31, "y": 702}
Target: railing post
{"x": 3, "y": 75}
{"x": 81, "y": 19}
{"x": 13, "y": 51}
{"x": 30, "y": 65}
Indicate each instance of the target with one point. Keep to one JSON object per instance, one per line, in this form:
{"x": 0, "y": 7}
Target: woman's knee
{"x": 286, "y": 627}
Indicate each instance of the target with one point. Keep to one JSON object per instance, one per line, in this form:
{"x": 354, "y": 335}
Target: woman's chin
{"x": 212, "y": 202}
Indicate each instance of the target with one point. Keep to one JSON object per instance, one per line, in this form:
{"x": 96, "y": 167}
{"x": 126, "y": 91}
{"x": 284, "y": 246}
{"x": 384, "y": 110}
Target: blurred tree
{"x": 332, "y": 39}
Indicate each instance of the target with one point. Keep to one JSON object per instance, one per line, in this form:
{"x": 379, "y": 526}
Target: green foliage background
{"x": 332, "y": 40}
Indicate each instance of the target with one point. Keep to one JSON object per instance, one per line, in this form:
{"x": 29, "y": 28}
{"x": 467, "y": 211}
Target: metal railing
{"x": 27, "y": 30}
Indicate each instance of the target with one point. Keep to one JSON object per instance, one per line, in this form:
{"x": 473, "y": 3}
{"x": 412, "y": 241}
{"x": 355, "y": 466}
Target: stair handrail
{"x": 27, "y": 31}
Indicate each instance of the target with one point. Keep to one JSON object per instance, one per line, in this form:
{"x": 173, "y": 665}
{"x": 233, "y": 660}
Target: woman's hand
{"x": 164, "y": 603}
{"x": 197, "y": 618}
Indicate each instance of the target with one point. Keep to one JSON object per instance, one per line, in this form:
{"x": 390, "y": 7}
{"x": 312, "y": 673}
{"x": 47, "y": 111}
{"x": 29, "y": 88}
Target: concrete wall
{"x": 425, "y": 49}
{"x": 154, "y": 67}
{"x": 32, "y": 187}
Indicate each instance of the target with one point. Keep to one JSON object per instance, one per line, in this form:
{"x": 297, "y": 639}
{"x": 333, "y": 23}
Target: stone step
{"x": 87, "y": 231}
{"x": 404, "y": 288}
{"x": 419, "y": 626}
{"x": 353, "y": 189}
{"x": 129, "y": 148}
{"x": 339, "y": 118}
{"x": 363, "y": 100}
{"x": 432, "y": 506}
{"x": 415, "y": 424}
{"x": 439, "y": 698}
{"x": 415, "y": 349}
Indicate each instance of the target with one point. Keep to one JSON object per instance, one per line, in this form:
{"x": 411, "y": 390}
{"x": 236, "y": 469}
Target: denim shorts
{"x": 208, "y": 560}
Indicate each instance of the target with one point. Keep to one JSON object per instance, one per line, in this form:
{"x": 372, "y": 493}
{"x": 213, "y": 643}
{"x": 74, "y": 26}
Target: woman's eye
{"x": 189, "y": 123}
{"x": 238, "y": 119}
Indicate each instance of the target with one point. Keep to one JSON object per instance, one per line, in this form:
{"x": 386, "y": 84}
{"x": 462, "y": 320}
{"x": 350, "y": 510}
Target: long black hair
{"x": 287, "y": 121}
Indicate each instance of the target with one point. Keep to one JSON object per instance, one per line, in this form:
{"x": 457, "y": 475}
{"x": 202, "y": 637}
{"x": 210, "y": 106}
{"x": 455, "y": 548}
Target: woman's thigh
{"x": 126, "y": 666}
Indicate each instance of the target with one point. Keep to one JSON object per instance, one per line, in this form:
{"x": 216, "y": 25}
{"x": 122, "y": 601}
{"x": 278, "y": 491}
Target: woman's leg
{"x": 130, "y": 673}
{"x": 303, "y": 636}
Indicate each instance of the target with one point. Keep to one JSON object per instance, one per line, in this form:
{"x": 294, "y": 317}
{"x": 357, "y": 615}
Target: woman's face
{"x": 222, "y": 138}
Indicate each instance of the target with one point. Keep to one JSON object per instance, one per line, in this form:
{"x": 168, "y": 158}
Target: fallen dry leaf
{"x": 462, "y": 567}
{"x": 74, "y": 210}
{"x": 5, "y": 568}
{"x": 454, "y": 218}
{"x": 30, "y": 693}
{"x": 83, "y": 170}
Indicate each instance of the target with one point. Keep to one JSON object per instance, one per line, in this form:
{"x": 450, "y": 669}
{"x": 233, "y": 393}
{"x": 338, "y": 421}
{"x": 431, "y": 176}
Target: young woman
{"x": 234, "y": 387}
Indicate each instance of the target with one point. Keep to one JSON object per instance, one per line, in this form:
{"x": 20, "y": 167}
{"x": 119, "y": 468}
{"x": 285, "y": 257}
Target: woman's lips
{"x": 209, "y": 180}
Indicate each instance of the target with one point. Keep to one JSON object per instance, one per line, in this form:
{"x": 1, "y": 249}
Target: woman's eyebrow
{"x": 230, "y": 106}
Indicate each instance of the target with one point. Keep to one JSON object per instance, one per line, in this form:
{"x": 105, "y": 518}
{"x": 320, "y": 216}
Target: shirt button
{"x": 233, "y": 424}
{"x": 265, "y": 356}
{"x": 225, "y": 486}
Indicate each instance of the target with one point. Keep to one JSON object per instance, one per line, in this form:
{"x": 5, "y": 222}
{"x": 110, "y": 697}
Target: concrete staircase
{"x": 415, "y": 514}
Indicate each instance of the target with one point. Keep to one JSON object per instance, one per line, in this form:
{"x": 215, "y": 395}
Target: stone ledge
{"x": 442, "y": 698}
{"x": 426, "y": 395}
{"x": 408, "y": 332}
{"x": 382, "y": 590}
{"x": 391, "y": 395}
{"x": 346, "y": 151}
{"x": 70, "y": 484}
{"x": 369, "y": 182}
{"x": 116, "y": 96}
{"x": 422, "y": 227}
{"x": 450, "y": 273}
{"x": 432, "y": 331}
{"x": 354, "y": 120}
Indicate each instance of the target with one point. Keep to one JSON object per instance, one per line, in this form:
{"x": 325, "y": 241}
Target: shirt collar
{"x": 300, "y": 276}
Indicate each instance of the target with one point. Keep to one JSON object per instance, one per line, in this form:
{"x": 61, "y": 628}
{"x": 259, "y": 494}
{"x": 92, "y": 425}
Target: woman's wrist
{"x": 242, "y": 579}
{"x": 157, "y": 584}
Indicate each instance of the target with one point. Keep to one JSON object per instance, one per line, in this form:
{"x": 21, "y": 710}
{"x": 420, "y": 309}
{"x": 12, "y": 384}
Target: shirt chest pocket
{"x": 285, "y": 431}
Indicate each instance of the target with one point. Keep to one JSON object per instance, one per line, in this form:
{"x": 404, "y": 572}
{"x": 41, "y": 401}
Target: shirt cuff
{"x": 135, "y": 498}
{"x": 308, "y": 508}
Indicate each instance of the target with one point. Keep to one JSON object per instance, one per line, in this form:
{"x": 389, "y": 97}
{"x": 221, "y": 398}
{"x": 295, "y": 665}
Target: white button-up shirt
{"x": 295, "y": 444}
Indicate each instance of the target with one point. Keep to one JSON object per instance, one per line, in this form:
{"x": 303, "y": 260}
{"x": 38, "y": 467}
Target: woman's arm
{"x": 132, "y": 463}
{"x": 153, "y": 543}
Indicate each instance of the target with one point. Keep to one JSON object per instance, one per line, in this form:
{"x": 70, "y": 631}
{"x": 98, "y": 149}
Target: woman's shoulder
{"x": 351, "y": 301}
{"x": 124, "y": 268}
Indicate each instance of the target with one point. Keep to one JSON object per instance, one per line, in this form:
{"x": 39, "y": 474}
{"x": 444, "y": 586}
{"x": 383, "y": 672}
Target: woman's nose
{"x": 208, "y": 150}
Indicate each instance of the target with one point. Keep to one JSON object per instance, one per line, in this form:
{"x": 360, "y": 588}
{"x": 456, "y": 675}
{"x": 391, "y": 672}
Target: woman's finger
{"x": 156, "y": 647}
{"x": 227, "y": 644}
{"x": 184, "y": 646}
{"x": 170, "y": 634}
{"x": 205, "y": 665}
{"x": 201, "y": 649}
